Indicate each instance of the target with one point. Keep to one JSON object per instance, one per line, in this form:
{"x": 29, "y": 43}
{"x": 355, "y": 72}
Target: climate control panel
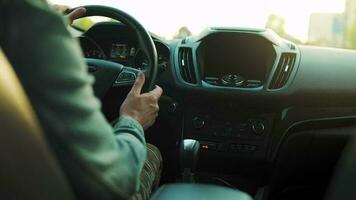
{"x": 244, "y": 128}
{"x": 229, "y": 134}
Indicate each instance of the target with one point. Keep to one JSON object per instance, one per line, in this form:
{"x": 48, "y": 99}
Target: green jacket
{"x": 101, "y": 161}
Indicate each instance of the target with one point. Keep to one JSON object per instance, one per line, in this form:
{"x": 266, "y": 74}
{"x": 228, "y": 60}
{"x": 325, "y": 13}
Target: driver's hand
{"x": 75, "y": 14}
{"x": 142, "y": 107}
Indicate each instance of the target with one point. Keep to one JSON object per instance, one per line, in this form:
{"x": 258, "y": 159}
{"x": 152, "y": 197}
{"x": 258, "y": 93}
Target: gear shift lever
{"x": 189, "y": 150}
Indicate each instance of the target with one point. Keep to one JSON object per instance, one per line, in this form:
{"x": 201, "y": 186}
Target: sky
{"x": 165, "y": 17}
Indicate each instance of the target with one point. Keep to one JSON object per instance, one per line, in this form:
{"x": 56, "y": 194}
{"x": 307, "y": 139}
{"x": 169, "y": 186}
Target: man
{"x": 101, "y": 161}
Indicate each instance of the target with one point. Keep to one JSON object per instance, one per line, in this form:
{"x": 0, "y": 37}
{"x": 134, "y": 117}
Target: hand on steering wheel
{"x": 142, "y": 107}
{"x": 76, "y": 14}
{"x": 73, "y": 15}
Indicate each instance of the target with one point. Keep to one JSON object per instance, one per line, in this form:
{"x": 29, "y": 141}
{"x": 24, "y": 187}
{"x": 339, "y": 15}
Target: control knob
{"x": 258, "y": 128}
{"x": 198, "y": 122}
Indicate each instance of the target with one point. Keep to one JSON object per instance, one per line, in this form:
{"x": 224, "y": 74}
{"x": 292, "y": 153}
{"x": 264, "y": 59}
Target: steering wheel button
{"x": 132, "y": 77}
{"x": 126, "y": 76}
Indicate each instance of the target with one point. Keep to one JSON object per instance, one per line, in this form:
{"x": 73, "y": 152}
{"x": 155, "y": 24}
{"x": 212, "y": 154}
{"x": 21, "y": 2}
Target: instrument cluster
{"x": 125, "y": 53}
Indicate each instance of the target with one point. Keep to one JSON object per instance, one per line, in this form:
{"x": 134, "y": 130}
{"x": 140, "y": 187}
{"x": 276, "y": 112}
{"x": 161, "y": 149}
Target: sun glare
{"x": 166, "y": 17}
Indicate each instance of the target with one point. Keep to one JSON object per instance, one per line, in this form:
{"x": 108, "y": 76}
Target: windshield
{"x": 330, "y": 23}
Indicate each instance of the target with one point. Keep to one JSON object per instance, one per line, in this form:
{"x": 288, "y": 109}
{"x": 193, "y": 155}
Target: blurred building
{"x": 326, "y": 29}
{"x": 350, "y": 24}
{"x": 350, "y": 12}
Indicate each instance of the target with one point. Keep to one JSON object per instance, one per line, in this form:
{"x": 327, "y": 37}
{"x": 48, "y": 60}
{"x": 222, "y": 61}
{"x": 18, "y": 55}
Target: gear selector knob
{"x": 189, "y": 151}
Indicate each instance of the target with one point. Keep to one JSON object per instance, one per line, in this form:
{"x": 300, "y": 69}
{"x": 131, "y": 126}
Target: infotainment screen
{"x": 235, "y": 56}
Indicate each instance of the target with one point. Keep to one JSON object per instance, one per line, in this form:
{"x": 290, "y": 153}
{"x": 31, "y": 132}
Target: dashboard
{"x": 240, "y": 92}
{"x": 234, "y": 86}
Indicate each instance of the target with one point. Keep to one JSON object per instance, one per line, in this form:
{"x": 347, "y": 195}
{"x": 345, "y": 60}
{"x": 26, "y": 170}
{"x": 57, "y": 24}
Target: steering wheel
{"x": 110, "y": 74}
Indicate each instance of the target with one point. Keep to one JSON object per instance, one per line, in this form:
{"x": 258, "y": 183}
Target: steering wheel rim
{"x": 144, "y": 38}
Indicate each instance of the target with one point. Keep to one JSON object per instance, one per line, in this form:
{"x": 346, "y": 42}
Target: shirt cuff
{"x": 127, "y": 121}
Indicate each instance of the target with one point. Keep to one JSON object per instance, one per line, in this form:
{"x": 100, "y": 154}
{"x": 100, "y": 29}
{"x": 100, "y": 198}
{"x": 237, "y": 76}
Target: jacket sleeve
{"x": 100, "y": 161}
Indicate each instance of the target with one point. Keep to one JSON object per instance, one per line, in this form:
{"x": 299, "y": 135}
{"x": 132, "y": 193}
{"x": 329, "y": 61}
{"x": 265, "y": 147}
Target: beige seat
{"x": 28, "y": 170}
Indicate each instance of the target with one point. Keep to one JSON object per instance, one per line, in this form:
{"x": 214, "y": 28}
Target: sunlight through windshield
{"x": 318, "y": 22}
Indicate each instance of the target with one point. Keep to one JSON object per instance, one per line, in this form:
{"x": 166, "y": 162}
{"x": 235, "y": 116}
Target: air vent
{"x": 186, "y": 65}
{"x": 283, "y": 71}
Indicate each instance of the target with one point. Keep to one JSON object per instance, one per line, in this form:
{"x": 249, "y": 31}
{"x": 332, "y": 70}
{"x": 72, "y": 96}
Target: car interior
{"x": 245, "y": 114}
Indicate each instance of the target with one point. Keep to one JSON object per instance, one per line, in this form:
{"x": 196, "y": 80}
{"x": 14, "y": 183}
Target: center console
{"x": 229, "y": 69}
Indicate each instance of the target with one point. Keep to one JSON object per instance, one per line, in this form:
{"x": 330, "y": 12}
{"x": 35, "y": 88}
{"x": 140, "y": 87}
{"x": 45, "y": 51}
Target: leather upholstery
{"x": 198, "y": 192}
{"x": 28, "y": 169}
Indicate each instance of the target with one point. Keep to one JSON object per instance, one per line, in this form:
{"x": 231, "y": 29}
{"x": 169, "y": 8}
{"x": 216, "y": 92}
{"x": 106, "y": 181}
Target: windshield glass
{"x": 330, "y": 23}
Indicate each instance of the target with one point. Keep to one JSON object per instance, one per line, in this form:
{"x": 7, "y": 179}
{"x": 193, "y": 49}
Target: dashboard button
{"x": 126, "y": 76}
{"x": 212, "y": 80}
{"x": 223, "y": 147}
{"x": 173, "y": 107}
{"x": 232, "y": 80}
{"x": 242, "y": 127}
{"x": 253, "y": 83}
{"x": 258, "y": 128}
{"x": 243, "y": 148}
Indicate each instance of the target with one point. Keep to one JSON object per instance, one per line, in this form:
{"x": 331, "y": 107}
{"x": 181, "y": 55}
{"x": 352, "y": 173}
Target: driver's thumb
{"x": 137, "y": 87}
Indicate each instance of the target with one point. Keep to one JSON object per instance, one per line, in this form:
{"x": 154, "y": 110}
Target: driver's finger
{"x": 77, "y": 13}
{"x": 137, "y": 87}
{"x": 157, "y": 92}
